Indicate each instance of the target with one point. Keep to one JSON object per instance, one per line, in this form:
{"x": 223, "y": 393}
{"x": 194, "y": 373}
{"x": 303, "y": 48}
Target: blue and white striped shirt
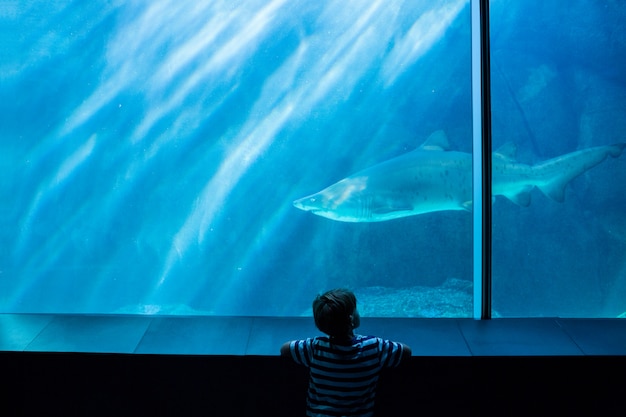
{"x": 343, "y": 378}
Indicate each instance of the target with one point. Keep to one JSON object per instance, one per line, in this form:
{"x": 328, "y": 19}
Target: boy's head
{"x": 335, "y": 312}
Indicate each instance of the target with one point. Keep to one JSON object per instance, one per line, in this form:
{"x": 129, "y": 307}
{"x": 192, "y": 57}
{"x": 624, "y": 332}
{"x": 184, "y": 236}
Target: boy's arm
{"x": 406, "y": 352}
{"x": 285, "y": 350}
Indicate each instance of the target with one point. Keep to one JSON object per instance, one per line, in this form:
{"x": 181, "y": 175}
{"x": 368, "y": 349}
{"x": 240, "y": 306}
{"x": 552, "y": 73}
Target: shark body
{"x": 432, "y": 178}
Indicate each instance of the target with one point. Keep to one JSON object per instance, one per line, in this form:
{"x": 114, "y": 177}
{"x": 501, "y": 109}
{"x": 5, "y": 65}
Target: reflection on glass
{"x": 558, "y": 130}
{"x": 151, "y": 152}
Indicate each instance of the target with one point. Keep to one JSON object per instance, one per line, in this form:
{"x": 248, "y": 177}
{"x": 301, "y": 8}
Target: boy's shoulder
{"x": 357, "y": 340}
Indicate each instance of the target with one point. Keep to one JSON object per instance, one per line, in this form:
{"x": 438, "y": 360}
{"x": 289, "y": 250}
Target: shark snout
{"x": 305, "y": 203}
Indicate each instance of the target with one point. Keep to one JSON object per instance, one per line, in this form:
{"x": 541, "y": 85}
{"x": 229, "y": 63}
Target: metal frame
{"x": 481, "y": 171}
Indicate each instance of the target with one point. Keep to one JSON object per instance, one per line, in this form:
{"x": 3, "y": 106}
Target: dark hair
{"x": 332, "y": 311}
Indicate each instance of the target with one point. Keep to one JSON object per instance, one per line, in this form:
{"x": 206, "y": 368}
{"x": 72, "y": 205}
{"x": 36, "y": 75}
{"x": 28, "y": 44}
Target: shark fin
{"x": 437, "y": 141}
{"x": 507, "y": 151}
{"x": 555, "y": 190}
{"x": 521, "y": 199}
{"x": 616, "y": 149}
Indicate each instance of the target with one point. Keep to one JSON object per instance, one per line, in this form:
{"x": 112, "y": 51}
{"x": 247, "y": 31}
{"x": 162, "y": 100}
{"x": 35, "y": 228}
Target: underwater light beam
{"x": 222, "y": 65}
{"x": 67, "y": 168}
{"x": 221, "y": 184}
{"x": 424, "y": 33}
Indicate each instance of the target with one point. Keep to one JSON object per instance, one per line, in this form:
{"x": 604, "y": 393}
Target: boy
{"x": 344, "y": 367}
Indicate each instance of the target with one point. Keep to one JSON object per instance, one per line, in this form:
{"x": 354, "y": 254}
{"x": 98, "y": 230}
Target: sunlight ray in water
{"x": 263, "y": 131}
{"x": 243, "y": 35}
{"x": 67, "y": 168}
{"x": 217, "y": 189}
{"x": 305, "y": 95}
{"x": 424, "y": 33}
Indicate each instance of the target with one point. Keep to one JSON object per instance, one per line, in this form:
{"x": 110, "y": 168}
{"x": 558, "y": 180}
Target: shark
{"x": 434, "y": 178}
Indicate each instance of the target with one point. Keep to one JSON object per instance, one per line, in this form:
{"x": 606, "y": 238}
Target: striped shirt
{"x": 343, "y": 378}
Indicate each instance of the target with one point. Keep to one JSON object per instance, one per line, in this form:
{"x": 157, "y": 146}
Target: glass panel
{"x": 151, "y": 152}
{"x": 559, "y": 96}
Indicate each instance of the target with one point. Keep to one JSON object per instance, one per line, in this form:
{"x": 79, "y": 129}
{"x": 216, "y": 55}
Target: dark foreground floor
{"x": 81, "y": 384}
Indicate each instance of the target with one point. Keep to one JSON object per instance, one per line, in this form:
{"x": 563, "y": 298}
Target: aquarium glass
{"x": 558, "y": 74}
{"x": 151, "y": 152}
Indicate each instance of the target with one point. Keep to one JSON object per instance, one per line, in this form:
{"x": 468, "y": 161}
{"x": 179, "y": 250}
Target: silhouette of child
{"x": 344, "y": 367}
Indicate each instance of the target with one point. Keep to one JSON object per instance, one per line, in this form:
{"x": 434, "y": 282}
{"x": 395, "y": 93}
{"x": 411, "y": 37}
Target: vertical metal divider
{"x": 481, "y": 158}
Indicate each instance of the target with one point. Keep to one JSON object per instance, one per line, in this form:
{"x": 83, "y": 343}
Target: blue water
{"x": 151, "y": 152}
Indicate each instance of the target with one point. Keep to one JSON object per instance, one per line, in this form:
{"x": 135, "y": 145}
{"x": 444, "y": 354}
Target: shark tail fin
{"x": 437, "y": 141}
{"x": 570, "y": 166}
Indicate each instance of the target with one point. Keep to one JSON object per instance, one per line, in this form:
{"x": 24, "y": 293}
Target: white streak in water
{"x": 424, "y": 33}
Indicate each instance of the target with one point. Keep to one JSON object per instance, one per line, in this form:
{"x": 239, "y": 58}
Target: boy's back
{"x": 344, "y": 375}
